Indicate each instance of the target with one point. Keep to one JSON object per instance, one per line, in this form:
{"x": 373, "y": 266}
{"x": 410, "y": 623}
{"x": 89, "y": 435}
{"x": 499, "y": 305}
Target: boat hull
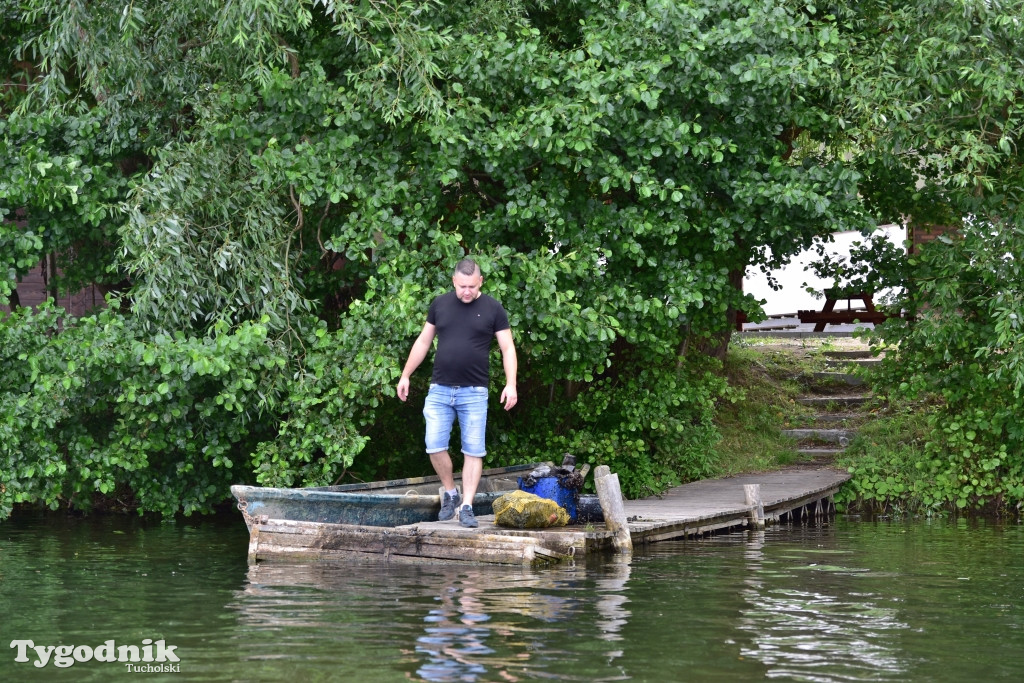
{"x": 394, "y": 502}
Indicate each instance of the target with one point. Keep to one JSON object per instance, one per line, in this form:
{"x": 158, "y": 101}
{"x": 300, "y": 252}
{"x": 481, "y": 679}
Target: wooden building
{"x": 919, "y": 234}
{"x": 34, "y": 288}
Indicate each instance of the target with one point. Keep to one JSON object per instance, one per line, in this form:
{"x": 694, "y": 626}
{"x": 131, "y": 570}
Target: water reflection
{"x": 613, "y": 602}
{"x": 454, "y": 644}
{"x": 802, "y": 621}
{"x": 445, "y": 623}
{"x": 457, "y": 632}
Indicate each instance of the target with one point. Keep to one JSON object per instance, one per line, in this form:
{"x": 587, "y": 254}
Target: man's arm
{"x": 509, "y": 396}
{"x": 420, "y": 349}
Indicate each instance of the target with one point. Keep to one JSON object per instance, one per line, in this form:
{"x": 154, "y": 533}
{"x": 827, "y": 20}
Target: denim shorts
{"x": 443, "y": 405}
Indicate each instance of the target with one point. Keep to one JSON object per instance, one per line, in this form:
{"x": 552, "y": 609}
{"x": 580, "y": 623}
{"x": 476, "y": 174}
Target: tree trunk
{"x": 717, "y": 344}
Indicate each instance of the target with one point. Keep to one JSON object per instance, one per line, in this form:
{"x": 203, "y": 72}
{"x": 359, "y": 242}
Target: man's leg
{"x": 471, "y": 470}
{"x": 440, "y": 415}
{"x": 442, "y": 463}
{"x": 472, "y": 409}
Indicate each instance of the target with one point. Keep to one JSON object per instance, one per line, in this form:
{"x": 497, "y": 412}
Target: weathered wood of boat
{"x": 391, "y": 503}
{"x": 344, "y": 532}
{"x": 445, "y": 542}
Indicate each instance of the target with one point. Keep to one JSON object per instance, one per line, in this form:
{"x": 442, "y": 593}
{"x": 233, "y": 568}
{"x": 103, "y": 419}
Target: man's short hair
{"x": 466, "y": 266}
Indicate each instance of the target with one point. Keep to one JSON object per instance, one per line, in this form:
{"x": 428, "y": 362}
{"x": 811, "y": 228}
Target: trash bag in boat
{"x": 560, "y": 484}
{"x": 522, "y": 510}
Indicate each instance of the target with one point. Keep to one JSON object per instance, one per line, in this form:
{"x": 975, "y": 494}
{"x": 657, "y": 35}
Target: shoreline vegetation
{"x": 767, "y": 377}
{"x": 887, "y": 452}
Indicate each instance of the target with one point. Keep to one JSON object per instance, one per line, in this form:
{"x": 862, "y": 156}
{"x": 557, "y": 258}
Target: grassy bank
{"x": 887, "y": 457}
{"x": 772, "y": 373}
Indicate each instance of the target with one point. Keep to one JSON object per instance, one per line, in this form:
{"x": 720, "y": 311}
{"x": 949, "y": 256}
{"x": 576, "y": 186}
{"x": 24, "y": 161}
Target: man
{"x": 464, "y": 322}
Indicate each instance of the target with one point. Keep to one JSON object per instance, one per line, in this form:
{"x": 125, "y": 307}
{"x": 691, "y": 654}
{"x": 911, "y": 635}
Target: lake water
{"x": 847, "y": 600}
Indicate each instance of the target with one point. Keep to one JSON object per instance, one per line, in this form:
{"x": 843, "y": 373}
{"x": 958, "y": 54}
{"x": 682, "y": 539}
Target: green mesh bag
{"x": 522, "y": 510}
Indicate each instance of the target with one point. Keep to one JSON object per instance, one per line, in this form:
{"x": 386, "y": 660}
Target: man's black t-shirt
{"x": 464, "y": 333}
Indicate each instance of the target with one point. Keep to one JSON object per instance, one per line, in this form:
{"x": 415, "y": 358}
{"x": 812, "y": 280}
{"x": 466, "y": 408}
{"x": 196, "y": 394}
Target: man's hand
{"x": 403, "y": 388}
{"x": 511, "y": 364}
{"x": 419, "y": 351}
{"x": 509, "y": 396}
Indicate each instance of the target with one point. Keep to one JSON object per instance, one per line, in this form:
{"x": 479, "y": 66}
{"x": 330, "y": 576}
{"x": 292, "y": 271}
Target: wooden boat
{"x": 391, "y": 503}
{"x": 395, "y": 520}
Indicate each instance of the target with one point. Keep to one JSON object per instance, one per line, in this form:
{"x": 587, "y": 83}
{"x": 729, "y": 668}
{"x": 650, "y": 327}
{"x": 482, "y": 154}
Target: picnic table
{"x": 865, "y": 312}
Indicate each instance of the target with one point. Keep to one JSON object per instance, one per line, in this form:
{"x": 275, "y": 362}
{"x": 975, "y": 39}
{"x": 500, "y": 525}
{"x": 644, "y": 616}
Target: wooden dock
{"x": 694, "y": 509}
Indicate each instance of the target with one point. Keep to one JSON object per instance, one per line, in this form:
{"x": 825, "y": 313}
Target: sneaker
{"x": 467, "y": 518}
{"x": 449, "y": 505}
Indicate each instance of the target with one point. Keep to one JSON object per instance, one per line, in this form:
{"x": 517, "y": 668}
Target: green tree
{"x": 299, "y": 177}
{"x": 934, "y": 107}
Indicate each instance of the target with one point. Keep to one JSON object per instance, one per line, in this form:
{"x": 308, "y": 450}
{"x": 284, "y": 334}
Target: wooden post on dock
{"x": 752, "y": 492}
{"x": 610, "y": 496}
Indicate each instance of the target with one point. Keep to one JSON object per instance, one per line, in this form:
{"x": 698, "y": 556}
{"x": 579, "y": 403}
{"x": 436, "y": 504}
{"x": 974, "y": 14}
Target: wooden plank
{"x": 610, "y": 495}
{"x": 655, "y": 533}
{"x": 752, "y": 493}
{"x": 712, "y": 505}
{"x": 794, "y": 505}
{"x": 566, "y": 541}
{"x": 422, "y": 548}
{"x": 320, "y": 539}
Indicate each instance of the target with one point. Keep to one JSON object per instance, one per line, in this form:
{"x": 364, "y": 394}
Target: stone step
{"x": 845, "y": 378}
{"x": 859, "y": 362}
{"x": 847, "y": 354}
{"x": 819, "y": 452}
{"x": 839, "y": 436}
{"x": 822, "y": 401}
{"x": 831, "y": 418}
